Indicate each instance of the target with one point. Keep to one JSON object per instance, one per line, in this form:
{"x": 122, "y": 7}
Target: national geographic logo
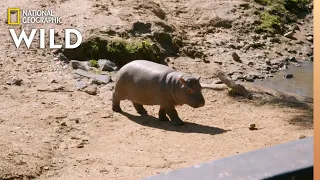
{"x": 13, "y": 16}
{"x": 26, "y": 16}
{"x": 16, "y": 16}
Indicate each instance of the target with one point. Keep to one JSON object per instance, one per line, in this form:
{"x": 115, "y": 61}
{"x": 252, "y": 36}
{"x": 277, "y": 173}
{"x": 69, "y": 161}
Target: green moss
{"x": 132, "y": 50}
{"x": 280, "y": 12}
{"x": 269, "y": 23}
{"x": 94, "y": 63}
{"x": 124, "y": 50}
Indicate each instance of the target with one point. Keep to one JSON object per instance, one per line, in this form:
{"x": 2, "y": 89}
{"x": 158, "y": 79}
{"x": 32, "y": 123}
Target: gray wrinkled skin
{"x": 148, "y": 83}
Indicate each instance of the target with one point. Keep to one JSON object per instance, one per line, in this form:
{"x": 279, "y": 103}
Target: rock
{"x": 278, "y": 52}
{"x": 309, "y": 34}
{"x": 250, "y": 63}
{"x": 54, "y": 81}
{"x": 102, "y": 78}
{"x": 283, "y": 67}
{"x": 231, "y": 45}
{"x": 302, "y": 136}
{"x": 248, "y": 78}
{"x": 80, "y": 85}
{"x": 268, "y": 62}
{"x": 297, "y": 64}
{"x": 107, "y": 65}
{"x": 236, "y": 57}
{"x": 63, "y": 58}
{"x": 63, "y": 124}
{"x": 275, "y": 40}
{"x": 289, "y": 34}
{"x": 252, "y": 127}
{"x": 79, "y": 65}
{"x": 246, "y": 47}
{"x": 245, "y": 5}
{"x": 267, "y": 68}
{"x": 310, "y": 38}
{"x": 80, "y": 145}
{"x": 290, "y": 59}
{"x": 295, "y": 27}
{"x": 14, "y": 81}
{"x": 311, "y": 58}
{"x": 92, "y": 90}
{"x": 288, "y": 76}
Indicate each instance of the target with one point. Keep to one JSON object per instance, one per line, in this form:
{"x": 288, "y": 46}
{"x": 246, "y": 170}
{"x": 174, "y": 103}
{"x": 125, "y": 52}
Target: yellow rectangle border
{"x": 9, "y": 16}
{"x": 316, "y": 84}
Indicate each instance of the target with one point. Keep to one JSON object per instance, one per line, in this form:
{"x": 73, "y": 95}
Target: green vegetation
{"x": 269, "y": 23}
{"x": 94, "y": 63}
{"x": 121, "y": 49}
{"x": 280, "y": 12}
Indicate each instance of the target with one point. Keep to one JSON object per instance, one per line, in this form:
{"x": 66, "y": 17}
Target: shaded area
{"x": 188, "y": 127}
{"x": 304, "y": 120}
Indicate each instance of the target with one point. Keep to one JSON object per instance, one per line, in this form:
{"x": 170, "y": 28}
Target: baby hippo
{"x": 147, "y": 83}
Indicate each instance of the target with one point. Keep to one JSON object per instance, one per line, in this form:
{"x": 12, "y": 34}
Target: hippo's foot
{"x": 116, "y": 109}
{"x": 177, "y": 122}
{"x": 140, "y": 109}
{"x": 162, "y": 115}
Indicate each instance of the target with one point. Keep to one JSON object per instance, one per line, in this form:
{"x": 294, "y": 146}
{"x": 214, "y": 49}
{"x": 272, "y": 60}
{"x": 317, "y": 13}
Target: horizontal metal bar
{"x": 292, "y": 160}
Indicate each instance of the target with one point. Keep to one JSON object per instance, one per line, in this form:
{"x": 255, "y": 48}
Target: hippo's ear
{"x": 183, "y": 81}
{"x": 199, "y": 78}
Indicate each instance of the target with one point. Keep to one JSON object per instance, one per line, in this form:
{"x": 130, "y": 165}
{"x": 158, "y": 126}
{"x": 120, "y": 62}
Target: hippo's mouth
{"x": 197, "y": 105}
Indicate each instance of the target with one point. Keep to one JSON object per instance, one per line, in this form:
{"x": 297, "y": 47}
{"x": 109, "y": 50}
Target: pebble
{"x": 236, "y": 57}
{"x": 92, "y": 90}
{"x": 107, "y": 65}
{"x": 302, "y": 136}
{"x": 62, "y": 57}
{"x": 63, "y": 124}
{"x": 15, "y": 81}
{"x": 252, "y": 127}
{"x": 288, "y": 76}
{"x": 81, "y": 145}
{"x": 310, "y": 38}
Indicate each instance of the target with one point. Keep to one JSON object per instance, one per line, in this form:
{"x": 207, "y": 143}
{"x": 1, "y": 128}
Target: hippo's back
{"x": 142, "y": 81}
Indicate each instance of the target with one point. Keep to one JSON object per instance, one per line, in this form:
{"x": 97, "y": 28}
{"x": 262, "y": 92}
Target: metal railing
{"x": 287, "y": 161}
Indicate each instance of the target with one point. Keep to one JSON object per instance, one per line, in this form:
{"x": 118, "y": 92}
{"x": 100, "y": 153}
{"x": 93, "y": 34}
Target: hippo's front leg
{"x": 174, "y": 117}
{"x": 162, "y": 114}
{"x": 140, "y": 109}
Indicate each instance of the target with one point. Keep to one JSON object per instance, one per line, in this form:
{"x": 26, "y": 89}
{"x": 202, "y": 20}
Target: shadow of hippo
{"x": 150, "y": 121}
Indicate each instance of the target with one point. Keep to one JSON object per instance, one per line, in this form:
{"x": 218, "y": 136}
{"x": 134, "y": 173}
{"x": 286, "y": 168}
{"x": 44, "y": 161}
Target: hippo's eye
{"x": 190, "y": 91}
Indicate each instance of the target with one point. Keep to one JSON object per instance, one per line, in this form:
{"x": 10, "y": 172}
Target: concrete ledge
{"x": 292, "y": 160}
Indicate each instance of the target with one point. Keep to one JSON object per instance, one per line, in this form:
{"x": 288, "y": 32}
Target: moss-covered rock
{"x": 278, "y": 13}
{"x": 119, "y": 50}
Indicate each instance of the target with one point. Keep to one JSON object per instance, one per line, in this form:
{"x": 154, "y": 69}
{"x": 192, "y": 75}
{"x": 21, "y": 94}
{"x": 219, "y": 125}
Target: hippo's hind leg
{"x": 116, "y": 102}
{"x": 162, "y": 114}
{"x": 173, "y": 114}
{"x": 140, "y": 109}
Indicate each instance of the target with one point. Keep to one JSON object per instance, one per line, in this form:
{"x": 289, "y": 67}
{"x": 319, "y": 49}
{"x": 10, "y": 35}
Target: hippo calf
{"x": 147, "y": 83}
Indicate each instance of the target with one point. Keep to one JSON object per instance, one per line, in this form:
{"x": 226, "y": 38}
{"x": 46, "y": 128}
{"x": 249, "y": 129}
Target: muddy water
{"x": 301, "y": 83}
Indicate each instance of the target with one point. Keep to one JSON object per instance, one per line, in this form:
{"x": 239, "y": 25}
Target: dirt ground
{"x": 74, "y": 135}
